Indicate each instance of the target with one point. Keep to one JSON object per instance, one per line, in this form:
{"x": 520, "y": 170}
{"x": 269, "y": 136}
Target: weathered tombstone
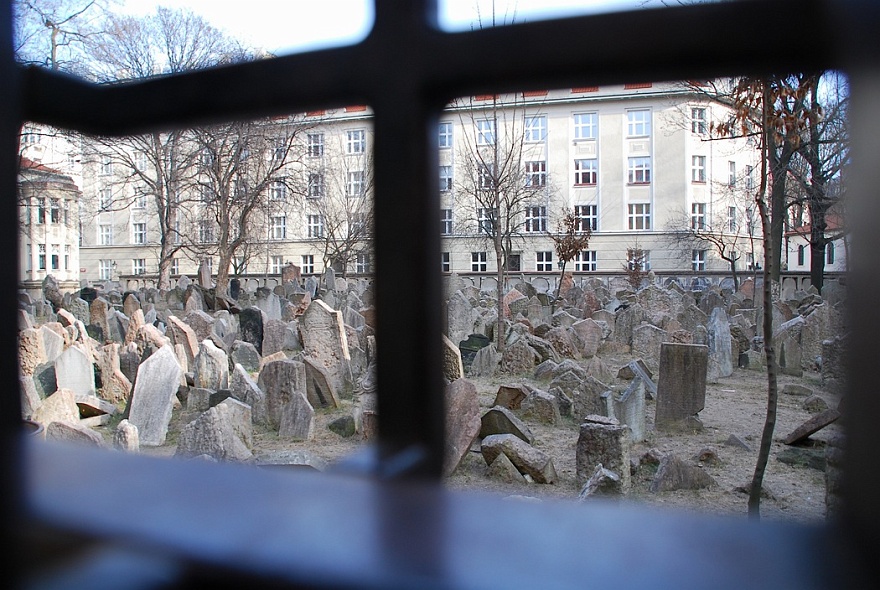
{"x": 125, "y": 437}
{"x": 675, "y": 474}
{"x": 74, "y": 371}
{"x": 589, "y": 335}
{"x": 204, "y": 277}
{"x": 646, "y": 342}
{"x": 246, "y": 390}
{"x": 290, "y": 272}
{"x": 787, "y": 338}
{"x": 814, "y": 424}
{"x": 500, "y": 420}
{"x": 53, "y": 343}
{"x": 74, "y": 433}
{"x": 158, "y": 379}
{"x": 297, "y": 418}
{"x": 280, "y": 380}
{"x": 98, "y": 311}
{"x": 541, "y": 407}
{"x": 603, "y": 441}
{"x": 510, "y": 396}
{"x": 325, "y": 341}
{"x": 721, "y": 360}
{"x": 681, "y": 387}
{"x": 245, "y": 354}
{"x": 211, "y": 367}
{"x": 201, "y": 323}
{"x": 629, "y": 408}
{"x": 453, "y": 367}
{"x": 462, "y": 422}
{"x": 223, "y": 432}
{"x": 31, "y": 350}
{"x": 30, "y": 399}
{"x": 603, "y": 483}
{"x": 459, "y": 317}
{"x": 60, "y": 406}
{"x": 250, "y": 326}
{"x": 319, "y": 389}
{"x": 528, "y": 460}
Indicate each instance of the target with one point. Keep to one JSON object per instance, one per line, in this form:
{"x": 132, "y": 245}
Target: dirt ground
{"x": 734, "y": 405}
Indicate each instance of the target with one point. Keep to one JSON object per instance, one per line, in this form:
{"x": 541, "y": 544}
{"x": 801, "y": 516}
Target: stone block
{"x": 681, "y": 388}
{"x": 462, "y": 422}
{"x": 528, "y": 460}
{"x": 500, "y": 420}
{"x": 606, "y": 444}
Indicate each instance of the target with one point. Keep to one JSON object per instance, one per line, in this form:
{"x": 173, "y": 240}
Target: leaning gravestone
{"x": 157, "y": 381}
{"x": 681, "y": 387}
{"x": 250, "y": 326}
{"x": 297, "y": 418}
{"x": 325, "y": 342}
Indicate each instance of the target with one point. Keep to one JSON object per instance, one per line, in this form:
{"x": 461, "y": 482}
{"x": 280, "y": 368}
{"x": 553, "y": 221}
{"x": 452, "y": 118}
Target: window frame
{"x": 638, "y": 123}
{"x": 585, "y": 130}
{"x": 586, "y": 172}
{"x": 639, "y": 170}
{"x": 639, "y": 214}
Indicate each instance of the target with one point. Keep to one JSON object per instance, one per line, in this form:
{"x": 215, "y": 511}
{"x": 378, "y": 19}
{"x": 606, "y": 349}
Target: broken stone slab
{"x": 344, "y": 426}
{"x": 638, "y": 367}
{"x": 603, "y": 483}
{"x": 735, "y": 441}
{"x": 814, "y": 404}
{"x": 245, "y": 389}
{"x": 92, "y": 405}
{"x": 675, "y": 474}
{"x": 541, "y": 407}
{"x": 198, "y": 399}
{"x": 462, "y": 422}
{"x": 452, "y": 364}
{"x": 511, "y": 396}
{"x": 222, "y": 433}
{"x": 504, "y": 470}
{"x": 58, "y": 407}
{"x": 74, "y": 433}
{"x": 603, "y": 440}
{"x": 93, "y": 421}
{"x": 629, "y": 408}
{"x": 528, "y": 460}
{"x": 158, "y": 379}
{"x": 319, "y": 388}
{"x": 500, "y": 420}
{"x": 297, "y": 418}
{"x": 30, "y": 399}
{"x": 811, "y": 426}
{"x": 797, "y": 390}
{"x": 325, "y": 341}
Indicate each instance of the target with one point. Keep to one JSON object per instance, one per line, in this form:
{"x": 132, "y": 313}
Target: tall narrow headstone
{"x": 325, "y": 342}
{"x": 157, "y": 381}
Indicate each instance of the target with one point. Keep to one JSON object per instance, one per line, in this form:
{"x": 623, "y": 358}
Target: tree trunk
{"x": 818, "y": 243}
{"x": 561, "y": 277}
{"x": 164, "y": 281}
{"x": 499, "y": 293}
{"x": 222, "y": 286}
{"x": 734, "y": 274}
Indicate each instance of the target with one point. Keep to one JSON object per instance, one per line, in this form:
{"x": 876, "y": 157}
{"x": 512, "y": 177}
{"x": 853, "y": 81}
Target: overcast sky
{"x": 299, "y": 25}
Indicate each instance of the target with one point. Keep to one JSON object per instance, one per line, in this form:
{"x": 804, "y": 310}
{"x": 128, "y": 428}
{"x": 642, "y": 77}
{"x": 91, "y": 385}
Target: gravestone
{"x": 589, "y": 335}
{"x": 646, "y": 342}
{"x": 204, "y": 277}
{"x": 528, "y": 460}
{"x": 681, "y": 386}
{"x": 500, "y": 420}
{"x": 603, "y": 441}
{"x": 319, "y": 390}
{"x": 53, "y": 343}
{"x": 453, "y": 368}
{"x": 325, "y": 342}
{"x": 158, "y": 379}
{"x": 629, "y": 408}
{"x": 74, "y": 371}
{"x": 31, "y": 350}
{"x": 246, "y": 390}
{"x": 211, "y": 367}
{"x": 250, "y": 326}
{"x": 224, "y": 432}
{"x": 721, "y": 360}
{"x": 462, "y": 422}
{"x": 280, "y": 380}
{"x": 245, "y": 354}
{"x": 297, "y": 418}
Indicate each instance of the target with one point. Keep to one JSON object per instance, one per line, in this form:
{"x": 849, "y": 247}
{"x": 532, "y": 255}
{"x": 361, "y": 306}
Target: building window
{"x": 513, "y": 263}
{"x": 698, "y": 260}
{"x": 56, "y": 257}
{"x": 41, "y": 210}
{"x": 206, "y": 231}
{"x": 698, "y": 216}
{"x": 308, "y": 264}
{"x": 355, "y": 141}
{"x": 750, "y": 178}
{"x": 41, "y": 256}
{"x": 478, "y": 262}
{"x": 536, "y": 128}
{"x": 637, "y": 259}
{"x": 536, "y": 219}
{"x": 277, "y": 264}
{"x": 175, "y": 266}
{"x": 587, "y": 217}
{"x": 105, "y": 197}
{"x": 105, "y": 234}
{"x": 315, "y": 145}
{"x": 54, "y": 211}
{"x": 486, "y": 132}
{"x": 138, "y": 266}
{"x": 639, "y": 216}
{"x": 732, "y": 222}
{"x": 106, "y": 166}
{"x": 140, "y": 161}
{"x": 362, "y": 263}
{"x": 585, "y": 261}
{"x": 800, "y": 255}
{"x": 139, "y": 233}
{"x": 698, "y": 121}
{"x": 445, "y": 263}
{"x": 698, "y": 168}
{"x": 829, "y": 253}
{"x": 731, "y": 174}
{"x": 278, "y": 191}
{"x": 445, "y": 178}
{"x": 445, "y": 135}
{"x": 585, "y": 125}
{"x": 356, "y": 185}
{"x": 140, "y": 200}
{"x": 279, "y": 151}
{"x": 485, "y": 176}
{"x": 536, "y": 174}
{"x": 544, "y": 261}
{"x": 28, "y": 259}
{"x": 486, "y": 220}
{"x": 105, "y": 270}
{"x": 278, "y": 227}
{"x": 315, "y": 226}
{"x": 586, "y": 171}
{"x": 316, "y": 185}
{"x": 446, "y": 222}
{"x": 638, "y": 123}
{"x": 640, "y": 170}
{"x": 66, "y": 256}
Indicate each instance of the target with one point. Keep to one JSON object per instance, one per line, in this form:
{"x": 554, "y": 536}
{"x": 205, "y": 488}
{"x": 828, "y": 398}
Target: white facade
{"x": 630, "y": 161}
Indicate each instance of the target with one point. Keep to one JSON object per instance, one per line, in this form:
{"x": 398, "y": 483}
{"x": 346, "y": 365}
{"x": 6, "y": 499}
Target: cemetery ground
{"x": 735, "y": 405}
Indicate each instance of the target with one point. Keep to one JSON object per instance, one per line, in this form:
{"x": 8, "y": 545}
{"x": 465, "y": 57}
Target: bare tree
{"x": 571, "y": 238}
{"x": 157, "y": 168}
{"x": 501, "y": 190}
{"x": 55, "y": 33}
{"x": 239, "y": 164}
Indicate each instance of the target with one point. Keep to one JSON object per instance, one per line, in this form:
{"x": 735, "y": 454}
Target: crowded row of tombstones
{"x": 109, "y": 368}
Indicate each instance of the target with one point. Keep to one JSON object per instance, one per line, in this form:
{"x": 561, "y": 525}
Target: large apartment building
{"x": 636, "y": 164}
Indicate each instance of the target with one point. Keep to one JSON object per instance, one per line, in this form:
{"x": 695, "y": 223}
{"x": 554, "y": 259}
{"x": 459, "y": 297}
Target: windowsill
{"x": 585, "y": 185}
{"x": 698, "y": 182}
{"x": 638, "y": 184}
